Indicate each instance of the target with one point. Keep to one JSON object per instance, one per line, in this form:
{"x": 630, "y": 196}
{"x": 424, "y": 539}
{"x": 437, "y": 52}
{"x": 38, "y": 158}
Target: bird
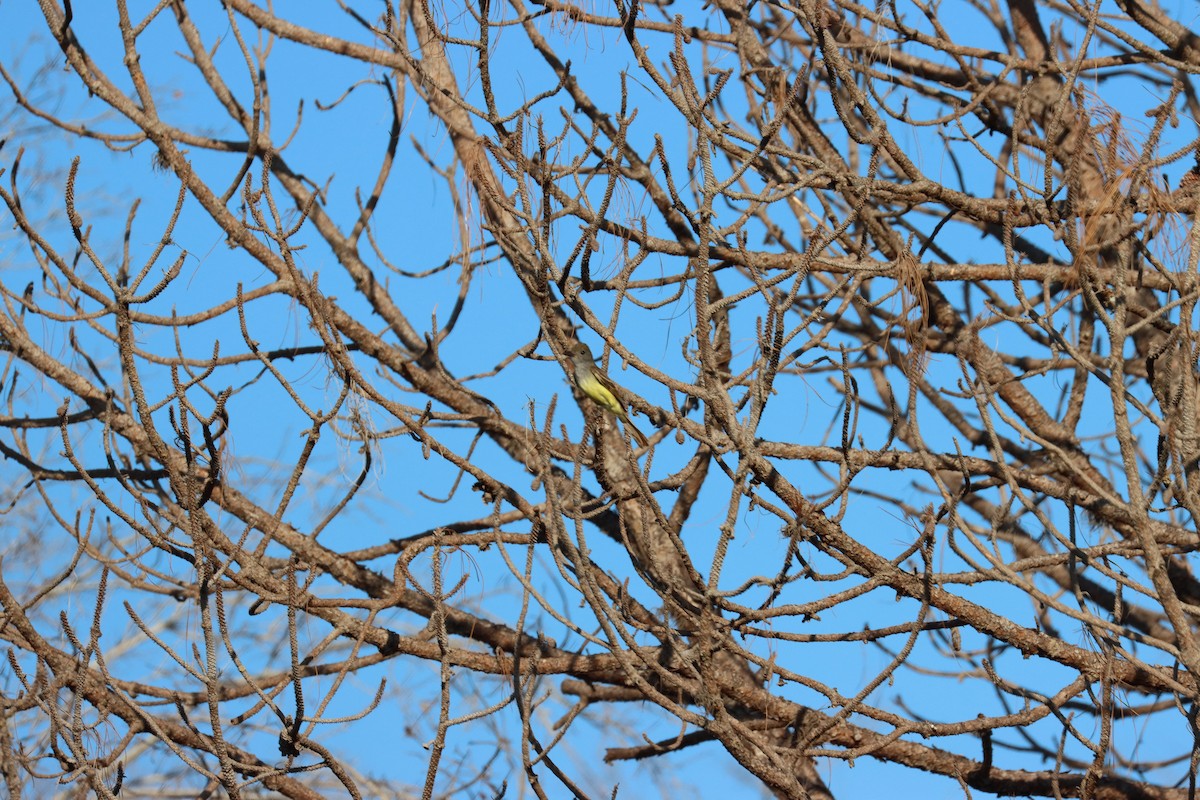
{"x": 600, "y": 388}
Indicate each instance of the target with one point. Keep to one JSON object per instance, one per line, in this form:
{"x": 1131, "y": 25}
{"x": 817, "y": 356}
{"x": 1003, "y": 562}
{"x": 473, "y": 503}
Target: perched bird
{"x": 600, "y": 388}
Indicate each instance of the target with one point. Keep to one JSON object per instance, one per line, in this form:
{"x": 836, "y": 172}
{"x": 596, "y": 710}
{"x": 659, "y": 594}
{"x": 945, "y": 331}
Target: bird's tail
{"x": 641, "y": 437}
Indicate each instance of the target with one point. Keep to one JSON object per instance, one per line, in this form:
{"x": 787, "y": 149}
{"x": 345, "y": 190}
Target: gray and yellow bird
{"x": 601, "y": 389}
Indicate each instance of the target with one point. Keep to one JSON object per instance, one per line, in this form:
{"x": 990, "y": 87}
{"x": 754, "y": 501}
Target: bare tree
{"x": 902, "y": 295}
